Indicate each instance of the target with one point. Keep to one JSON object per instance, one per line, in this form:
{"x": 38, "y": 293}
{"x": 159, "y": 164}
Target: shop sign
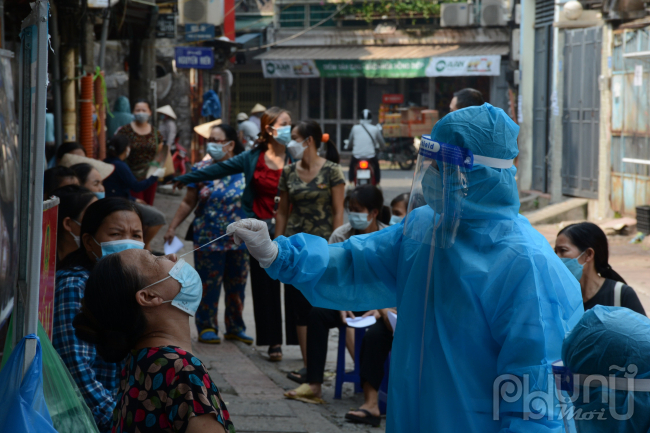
{"x": 48, "y": 265}
{"x": 464, "y": 66}
{"x": 199, "y": 32}
{"x": 289, "y": 69}
{"x": 399, "y": 68}
{"x": 194, "y": 57}
{"x": 392, "y": 98}
{"x": 166, "y": 26}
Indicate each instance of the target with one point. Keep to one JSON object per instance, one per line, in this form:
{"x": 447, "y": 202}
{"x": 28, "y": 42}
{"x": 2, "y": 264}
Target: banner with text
{"x": 394, "y": 68}
{"x": 464, "y": 66}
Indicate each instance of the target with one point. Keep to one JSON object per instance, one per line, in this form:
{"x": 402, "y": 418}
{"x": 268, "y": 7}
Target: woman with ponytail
{"x": 311, "y": 201}
{"x": 583, "y": 249}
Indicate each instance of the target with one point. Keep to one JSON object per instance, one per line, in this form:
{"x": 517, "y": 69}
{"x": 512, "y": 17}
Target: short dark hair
{"x": 403, "y": 197}
{"x": 117, "y": 145}
{"x": 52, "y": 178}
{"x": 231, "y": 134}
{"x": 589, "y": 235}
{"x": 141, "y": 101}
{"x": 110, "y": 317}
{"x": 468, "y": 98}
{"x": 368, "y": 196}
{"x": 73, "y": 200}
{"x": 67, "y": 148}
{"x": 82, "y": 170}
{"x": 92, "y": 221}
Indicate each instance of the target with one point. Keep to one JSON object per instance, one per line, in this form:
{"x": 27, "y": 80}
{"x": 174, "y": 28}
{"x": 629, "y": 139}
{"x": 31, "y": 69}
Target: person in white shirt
{"x": 365, "y": 140}
{"x": 247, "y": 130}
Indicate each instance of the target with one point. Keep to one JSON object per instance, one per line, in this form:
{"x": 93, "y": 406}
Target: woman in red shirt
{"x": 262, "y": 167}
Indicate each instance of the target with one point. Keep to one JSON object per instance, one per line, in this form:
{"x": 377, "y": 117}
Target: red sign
{"x": 392, "y": 98}
{"x": 48, "y": 265}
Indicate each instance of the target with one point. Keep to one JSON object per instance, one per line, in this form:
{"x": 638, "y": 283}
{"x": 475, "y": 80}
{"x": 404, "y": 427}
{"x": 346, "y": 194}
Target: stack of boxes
{"x": 417, "y": 121}
{"x": 392, "y": 126}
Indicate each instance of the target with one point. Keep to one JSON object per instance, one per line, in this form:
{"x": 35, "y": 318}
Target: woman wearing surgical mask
{"x": 262, "y": 167}
{"x": 311, "y": 201}
{"x": 108, "y": 226}
{"x": 135, "y": 310}
{"x": 122, "y": 181}
{"x": 583, "y": 249}
{"x": 90, "y": 179}
{"x": 73, "y": 202}
{"x": 146, "y": 144}
{"x": 398, "y": 208}
{"x": 219, "y": 203}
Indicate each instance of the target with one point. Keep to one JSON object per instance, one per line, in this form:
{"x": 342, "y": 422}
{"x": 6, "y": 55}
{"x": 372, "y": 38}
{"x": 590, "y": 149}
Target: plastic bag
{"x": 23, "y": 408}
{"x": 66, "y": 405}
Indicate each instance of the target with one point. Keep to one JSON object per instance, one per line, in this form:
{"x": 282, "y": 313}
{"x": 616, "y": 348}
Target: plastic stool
{"x": 341, "y": 375}
{"x": 383, "y": 388}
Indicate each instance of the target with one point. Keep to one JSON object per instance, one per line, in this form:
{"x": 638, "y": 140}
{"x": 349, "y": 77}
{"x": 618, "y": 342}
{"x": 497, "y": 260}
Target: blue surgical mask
{"x": 94, "y": 118}
{"x": 117, "y": 246}
{"x": 189, "y": 298}
{"x": 574, "y": 266}
{"x": 216, "y": 151}
{"x": 395, "y": 220}
{"x": 141, "y": 117}
{"x": 296, "y": 149}
{"x": 100, "y": 195}
{"x": 359, "y": 220}
{"x": 284, "y": 135}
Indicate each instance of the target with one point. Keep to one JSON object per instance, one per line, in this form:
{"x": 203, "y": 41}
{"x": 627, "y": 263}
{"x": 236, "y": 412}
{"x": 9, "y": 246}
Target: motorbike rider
{"x": 365, "y": 140}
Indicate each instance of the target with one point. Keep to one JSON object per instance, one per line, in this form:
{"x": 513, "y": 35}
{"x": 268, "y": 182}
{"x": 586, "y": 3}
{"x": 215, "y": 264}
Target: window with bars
{"x": 317, "y": 13}
{"x": 293, "y": 16}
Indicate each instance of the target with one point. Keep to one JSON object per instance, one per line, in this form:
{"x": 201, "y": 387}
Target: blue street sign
{"x": 199, "y": 32}
{"x": 194, "y": 57}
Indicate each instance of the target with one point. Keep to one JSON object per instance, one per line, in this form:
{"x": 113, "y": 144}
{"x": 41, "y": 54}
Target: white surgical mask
{"x": 296, "y": 149}
{"x": 76, "y": 238}
{"x": 359, "y": 220}
{"x": 189, "y": 298}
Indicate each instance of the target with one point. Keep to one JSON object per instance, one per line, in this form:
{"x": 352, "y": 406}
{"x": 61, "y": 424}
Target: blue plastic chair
{"x": 355, "y": 375}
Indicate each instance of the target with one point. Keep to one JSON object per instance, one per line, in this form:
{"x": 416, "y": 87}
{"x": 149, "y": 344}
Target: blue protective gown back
{"x": 497, "y": 302}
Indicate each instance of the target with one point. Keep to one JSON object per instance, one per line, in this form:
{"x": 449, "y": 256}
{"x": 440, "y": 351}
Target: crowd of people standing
{"x": 283, "y": 172}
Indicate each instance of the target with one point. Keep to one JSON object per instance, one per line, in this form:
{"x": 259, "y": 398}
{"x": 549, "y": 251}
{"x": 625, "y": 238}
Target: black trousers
{"x": 374, "y": 163}
{"x": 296, "y": 312}
{"x": 267, "y": 306}
{"x": 321, "y": 320}
{"x": 375, "y": 348}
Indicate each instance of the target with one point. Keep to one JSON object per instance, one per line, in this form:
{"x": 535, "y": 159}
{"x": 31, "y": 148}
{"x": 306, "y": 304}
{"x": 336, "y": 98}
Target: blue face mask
{"x": 189, "y": 298}
{"x": 395, "y": 220}
{"x": 100, "y": 195}
{"x": 284, "y": 135}
{"x": 359, "y": 221}
{"x": 117, "y": 246}
{"x": 94, "y": 118}
{"x": 216, "y": 151}
{"x": 574, "y": 266}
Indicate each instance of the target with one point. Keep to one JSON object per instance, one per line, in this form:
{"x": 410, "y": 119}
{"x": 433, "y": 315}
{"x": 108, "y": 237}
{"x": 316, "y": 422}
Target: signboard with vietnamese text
{"x": 166, "y": 26}
{"x": 194, "y": 57}
{"x": 48, "y": 265}
{"x": 199, "y": 32}
{"x": 464, "y": 66}
{"x": 392, "y": 98}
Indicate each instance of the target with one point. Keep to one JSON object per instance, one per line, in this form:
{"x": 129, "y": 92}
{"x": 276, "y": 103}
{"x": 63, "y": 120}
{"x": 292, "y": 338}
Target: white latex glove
{"x": 255, "y": 234}
{"x": 160, "y": 172}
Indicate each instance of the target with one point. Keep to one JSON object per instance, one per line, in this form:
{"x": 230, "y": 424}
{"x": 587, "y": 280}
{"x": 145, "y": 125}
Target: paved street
{"x": 253, "y": 387}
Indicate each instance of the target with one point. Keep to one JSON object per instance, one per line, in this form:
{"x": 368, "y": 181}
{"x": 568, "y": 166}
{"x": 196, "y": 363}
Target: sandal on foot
{"x": 209, "y": 336}
{"x": 304, "y": 394}
{"x": 369, "y": 419}
{"x": 275, "y": 351}
{"x": 298, "y": 376}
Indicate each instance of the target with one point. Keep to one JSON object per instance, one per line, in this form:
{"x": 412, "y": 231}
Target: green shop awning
{"x": 384, "y": 62}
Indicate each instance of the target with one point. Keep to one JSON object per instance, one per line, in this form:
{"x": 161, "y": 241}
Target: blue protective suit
{"x": 604, "y": 338}
{"x": 498, "y": 301}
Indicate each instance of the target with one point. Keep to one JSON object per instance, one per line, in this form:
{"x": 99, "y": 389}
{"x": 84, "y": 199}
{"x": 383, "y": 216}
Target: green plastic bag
{"x": 68, "y": 410}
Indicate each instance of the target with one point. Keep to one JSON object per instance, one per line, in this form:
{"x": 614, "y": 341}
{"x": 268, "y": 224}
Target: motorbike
{"x": 365, "y": 175}
{"x": 400, "y": 151}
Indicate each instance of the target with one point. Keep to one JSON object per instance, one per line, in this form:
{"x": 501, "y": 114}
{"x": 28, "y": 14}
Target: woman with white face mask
{"x": 217, "y": 203}
{"x": 262, "y": 167}
{"x": 122, "y": 182}
{"x": 311, "y": 201}
{"x": 146, "y": 144}
{"x": 109, "y": 225}
{"x": 74, "y": 200}
{"x": 135, "y": 312}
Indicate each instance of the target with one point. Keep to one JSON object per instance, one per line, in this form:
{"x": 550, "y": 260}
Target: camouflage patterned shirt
{"x": 311, "y": 202}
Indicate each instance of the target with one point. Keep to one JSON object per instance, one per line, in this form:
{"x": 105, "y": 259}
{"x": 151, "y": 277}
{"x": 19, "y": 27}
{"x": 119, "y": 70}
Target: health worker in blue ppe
{"x": 481, "y": 295}
{"x": 611, "y": 343}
